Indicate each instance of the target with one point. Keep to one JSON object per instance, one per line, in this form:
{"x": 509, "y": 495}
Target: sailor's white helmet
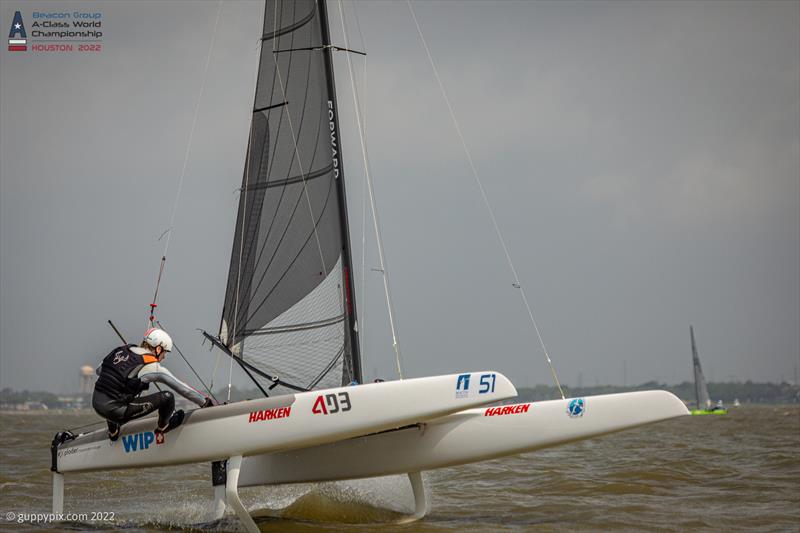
{"x": 158, "y": 337}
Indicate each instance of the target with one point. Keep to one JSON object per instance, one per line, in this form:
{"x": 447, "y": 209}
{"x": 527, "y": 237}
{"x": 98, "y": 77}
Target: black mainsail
{"x": 289, "y": 311}
{"x": 700, "y": 386}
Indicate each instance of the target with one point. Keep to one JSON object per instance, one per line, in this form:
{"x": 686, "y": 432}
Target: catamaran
{"x": 289, "y": 320}
{"x": 704, "y": 405}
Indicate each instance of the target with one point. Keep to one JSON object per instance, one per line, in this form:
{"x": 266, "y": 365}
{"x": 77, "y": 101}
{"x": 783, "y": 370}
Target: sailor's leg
{"x": 58, "y": 493}
{"x": 163, "y": 401}
{"x": 113, "y": 410}
{"x": 232, "y": 494}
{"x": 165, "y": 408}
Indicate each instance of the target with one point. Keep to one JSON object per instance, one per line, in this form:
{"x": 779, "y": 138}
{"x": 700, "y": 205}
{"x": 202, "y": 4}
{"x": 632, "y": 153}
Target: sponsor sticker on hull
{"x": 462, "y": 386}
{"x": 465, "y": 384}
{"x": 137, "y": 442}
{"x": 507, "y": 410}
{"x": 330, "y": 404}
{"x": 576, "y": 408}
{"x": 269, "y": 414}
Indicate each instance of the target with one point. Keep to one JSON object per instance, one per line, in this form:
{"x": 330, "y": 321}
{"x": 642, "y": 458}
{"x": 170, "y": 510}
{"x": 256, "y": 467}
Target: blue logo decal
{"x": 462, "y": 386}
{"x": 576, "y": 408}
{"x": 138, "y": 441}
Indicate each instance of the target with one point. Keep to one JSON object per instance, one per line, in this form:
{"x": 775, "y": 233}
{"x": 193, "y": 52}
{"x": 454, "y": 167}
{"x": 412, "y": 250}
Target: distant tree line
{"x": 747, "y": 392}
{"x": 11, "y": 397}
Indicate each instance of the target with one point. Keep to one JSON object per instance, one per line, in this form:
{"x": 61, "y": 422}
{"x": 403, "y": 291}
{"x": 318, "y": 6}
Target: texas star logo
{"x": 576, "y": 408}
{"x": 17, "y": 38}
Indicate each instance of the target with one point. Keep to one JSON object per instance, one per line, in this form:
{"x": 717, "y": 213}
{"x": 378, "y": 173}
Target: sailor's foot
{"x": 174, "y": 421}
{"x": 113, "y": 430}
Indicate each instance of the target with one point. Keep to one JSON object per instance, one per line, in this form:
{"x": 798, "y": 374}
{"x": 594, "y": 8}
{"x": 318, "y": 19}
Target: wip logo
{"x": 17, "y": 38}
{"x": 141, "y": 441}
{"x": 462, "y": 386}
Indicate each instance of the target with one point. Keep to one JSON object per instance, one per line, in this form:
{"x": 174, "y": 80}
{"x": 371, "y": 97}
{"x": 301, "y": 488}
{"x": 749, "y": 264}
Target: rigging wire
{"x": 363, "y": 307}
{"x": 363, "y": 192}
{"x": 190, "y": 366}
{"x": 516, "y": 283}
{"x": 168, "y": 231}
{"x": 362, "y": 325}
{"x": 214, "y": 372}
{"x": 375, "y": 221}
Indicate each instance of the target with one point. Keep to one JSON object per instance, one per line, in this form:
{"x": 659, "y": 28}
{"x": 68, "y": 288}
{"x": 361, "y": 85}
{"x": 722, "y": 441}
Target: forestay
{"x": 289, "y": 308}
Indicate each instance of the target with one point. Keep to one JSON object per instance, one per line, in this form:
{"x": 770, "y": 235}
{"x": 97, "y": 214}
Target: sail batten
{"x": 288, "y": 307}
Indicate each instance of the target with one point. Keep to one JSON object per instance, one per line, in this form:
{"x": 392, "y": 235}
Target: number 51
{"x": 487, "y": 383}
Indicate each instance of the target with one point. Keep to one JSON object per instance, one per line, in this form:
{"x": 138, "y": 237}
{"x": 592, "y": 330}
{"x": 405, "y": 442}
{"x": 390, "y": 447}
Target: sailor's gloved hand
{"x": 207, "y": 403}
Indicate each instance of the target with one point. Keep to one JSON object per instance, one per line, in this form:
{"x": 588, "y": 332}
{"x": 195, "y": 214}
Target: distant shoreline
{"x": 747, "y": 392}
{"x": 44, "y": 411}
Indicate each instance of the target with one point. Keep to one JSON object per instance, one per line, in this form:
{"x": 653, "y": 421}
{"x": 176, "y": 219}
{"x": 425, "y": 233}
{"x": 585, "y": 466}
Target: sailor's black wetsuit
{"x": 123, "y": 375}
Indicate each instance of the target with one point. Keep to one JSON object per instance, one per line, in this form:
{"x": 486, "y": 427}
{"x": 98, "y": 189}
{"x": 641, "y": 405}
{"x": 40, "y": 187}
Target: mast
{"x": 347, "y": 272}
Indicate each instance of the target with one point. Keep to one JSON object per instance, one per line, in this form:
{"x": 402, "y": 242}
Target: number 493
{"x": 330, "y": 404}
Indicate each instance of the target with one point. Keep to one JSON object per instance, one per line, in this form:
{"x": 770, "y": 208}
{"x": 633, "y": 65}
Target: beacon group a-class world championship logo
{"x": 576, "y": 407}
{"x": 56, "y": 31}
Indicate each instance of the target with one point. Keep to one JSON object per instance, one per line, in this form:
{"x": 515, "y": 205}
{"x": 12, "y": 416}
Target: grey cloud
{"x": 642, "y": 158}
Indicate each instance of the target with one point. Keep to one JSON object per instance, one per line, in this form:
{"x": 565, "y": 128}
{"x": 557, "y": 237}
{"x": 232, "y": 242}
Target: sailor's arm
{"x": 155, "y": 372}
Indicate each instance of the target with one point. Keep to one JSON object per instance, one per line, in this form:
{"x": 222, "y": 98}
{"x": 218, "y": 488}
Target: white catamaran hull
{"x": 284, "y": 422}
{"x": 444, "y": 429}
{"x": 465, "y": 437}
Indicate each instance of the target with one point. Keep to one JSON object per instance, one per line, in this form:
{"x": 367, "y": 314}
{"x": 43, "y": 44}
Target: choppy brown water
{"x": 734, "y": 472}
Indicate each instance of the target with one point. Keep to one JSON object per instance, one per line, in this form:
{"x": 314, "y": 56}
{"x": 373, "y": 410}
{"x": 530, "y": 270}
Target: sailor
{"x": 127, "y": 371}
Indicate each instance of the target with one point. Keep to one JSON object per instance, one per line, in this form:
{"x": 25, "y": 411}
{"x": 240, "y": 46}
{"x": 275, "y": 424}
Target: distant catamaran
{"x": 289, "y": 321}
{"x": 704, "y": 405}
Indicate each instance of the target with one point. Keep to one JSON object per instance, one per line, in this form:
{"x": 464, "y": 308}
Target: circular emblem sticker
{"x": 576, "y": 407}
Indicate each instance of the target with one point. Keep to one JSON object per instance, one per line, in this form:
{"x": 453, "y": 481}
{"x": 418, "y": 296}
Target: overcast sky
{"x": 643, "y": 160}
